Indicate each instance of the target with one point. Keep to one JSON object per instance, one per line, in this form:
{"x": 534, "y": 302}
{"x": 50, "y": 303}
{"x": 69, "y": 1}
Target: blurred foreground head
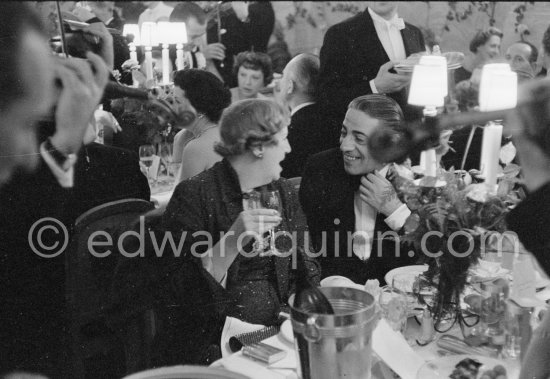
{"x": 26, "y": 85}
{"x": 529, "y": 123}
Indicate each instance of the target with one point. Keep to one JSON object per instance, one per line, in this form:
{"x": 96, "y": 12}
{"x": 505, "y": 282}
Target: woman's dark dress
{"x": 191, "y": 305}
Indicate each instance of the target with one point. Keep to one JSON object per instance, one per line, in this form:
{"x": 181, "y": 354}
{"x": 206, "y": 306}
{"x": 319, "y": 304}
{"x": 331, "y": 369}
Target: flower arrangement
{"x": 150, "y": 121}
{"x": 452, "y": 217}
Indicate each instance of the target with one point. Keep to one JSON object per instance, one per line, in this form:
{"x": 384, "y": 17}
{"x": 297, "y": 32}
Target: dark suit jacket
{"x": 327, "y": 198}
{"x": 351, "y": 56}
{"x": 32, "y": 288}
{"x": 252, "y": 35}
{"x": 308, "y": 134}
{"x": 104, "y": 174}
{"x": 209, "y": 202}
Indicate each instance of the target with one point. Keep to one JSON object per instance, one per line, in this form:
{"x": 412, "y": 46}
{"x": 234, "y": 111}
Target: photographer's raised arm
{"x": 82, "y": 85}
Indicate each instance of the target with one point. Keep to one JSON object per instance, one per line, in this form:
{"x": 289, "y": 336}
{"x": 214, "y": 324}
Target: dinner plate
{"x": 414, "y": 269}
{"x": 286, "y": 331}
{"x": 340, "y": 281}
{"x": 190, "y": 372}
{"x": 443, "y": 367}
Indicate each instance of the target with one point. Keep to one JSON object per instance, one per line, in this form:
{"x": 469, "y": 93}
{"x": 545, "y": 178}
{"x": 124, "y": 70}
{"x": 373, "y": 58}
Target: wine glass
{"x": 252, "y": 201}
{"x": 272, "y": 200}
{"x": 146, "y": 153}
{"x": 166, "y": 154}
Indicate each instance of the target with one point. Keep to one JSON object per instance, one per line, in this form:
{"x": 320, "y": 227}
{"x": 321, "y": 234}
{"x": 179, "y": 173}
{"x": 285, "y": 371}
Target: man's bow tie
{"x": 398, "y": 23}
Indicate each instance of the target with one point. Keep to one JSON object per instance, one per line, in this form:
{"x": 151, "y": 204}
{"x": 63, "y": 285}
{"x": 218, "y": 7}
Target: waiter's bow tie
{"x": 397, "y": 22}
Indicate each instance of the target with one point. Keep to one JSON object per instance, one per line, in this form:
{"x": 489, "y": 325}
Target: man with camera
{"x": 35, "y": 86}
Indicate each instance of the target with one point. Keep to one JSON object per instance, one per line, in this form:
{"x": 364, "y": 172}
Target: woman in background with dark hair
{"x": 203, "y": 95}
{"x": 253, "y": 72}
{"x": 485, "y": 46}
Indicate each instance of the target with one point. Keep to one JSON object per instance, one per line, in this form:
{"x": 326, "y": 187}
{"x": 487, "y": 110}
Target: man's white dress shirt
{"x": 389, "y": 34}
{"x": 161, "y": 12}
{"x": 365, "y": 220}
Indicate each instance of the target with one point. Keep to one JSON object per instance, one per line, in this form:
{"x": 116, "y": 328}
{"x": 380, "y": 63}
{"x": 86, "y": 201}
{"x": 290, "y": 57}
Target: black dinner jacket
{"x": 308, "y": 134}
{"x": 104, "y": 174}
{"x": 327, "y": 199}
{"x": 351, "y": 56}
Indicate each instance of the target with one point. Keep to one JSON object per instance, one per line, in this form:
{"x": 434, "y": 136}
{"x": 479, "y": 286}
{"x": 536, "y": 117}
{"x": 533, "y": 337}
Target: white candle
{"x": 148, "y": 63}
{"x": 179, "y": 56}
{"x": 428, "y": 162}
{"x": 133, "y": 53}
{"x": 490, "y": 151}
{"x": 165, "y": 64}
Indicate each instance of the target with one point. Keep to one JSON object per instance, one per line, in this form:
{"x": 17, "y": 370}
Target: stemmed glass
{"x": 146, "y": 153}
{"x": 272, "y": 200}
{"x": 166, "y": 154}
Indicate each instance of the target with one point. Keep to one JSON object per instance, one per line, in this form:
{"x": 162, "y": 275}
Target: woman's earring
{"x": 260, "y": 155}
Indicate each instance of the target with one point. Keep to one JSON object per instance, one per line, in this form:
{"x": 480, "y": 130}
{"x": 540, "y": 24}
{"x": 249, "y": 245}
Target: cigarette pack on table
{"x": 264, "y": 352}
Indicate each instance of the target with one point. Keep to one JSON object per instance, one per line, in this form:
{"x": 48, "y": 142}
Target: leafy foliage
{"x": 457, "y": 218}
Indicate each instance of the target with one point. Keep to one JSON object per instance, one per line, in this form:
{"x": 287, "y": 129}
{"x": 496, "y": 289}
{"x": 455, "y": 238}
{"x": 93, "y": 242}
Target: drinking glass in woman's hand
{"x": 272, "y": 200}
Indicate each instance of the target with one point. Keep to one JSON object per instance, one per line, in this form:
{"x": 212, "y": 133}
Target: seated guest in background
{"x": 32, "y": 288}
{"x": 357, "y": 58}
{"x": 202, "y": 54}
{"x": 306, "y": 132}
{"x": 531, "y": 218}
{"x": 253, "y": 72}
{"x": 214, "y": 278}
{"x": 248, "y": 26}
{"x": 522, "y": 57}
{"x": 485, "y": 46}
{"x": 348, "y": 200}
{"x": 202, "y": 94}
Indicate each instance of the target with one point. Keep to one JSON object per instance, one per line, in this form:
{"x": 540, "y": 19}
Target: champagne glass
{"x": 146, "y": 153}
{"x": 272, "y": 200}
{"x": 252, "y": 201}
{"x": 166, "y": 154}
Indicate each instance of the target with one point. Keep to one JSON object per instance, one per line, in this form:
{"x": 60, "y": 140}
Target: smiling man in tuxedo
{"x": 358, "y": 55}
{"x": 349, "y": 201}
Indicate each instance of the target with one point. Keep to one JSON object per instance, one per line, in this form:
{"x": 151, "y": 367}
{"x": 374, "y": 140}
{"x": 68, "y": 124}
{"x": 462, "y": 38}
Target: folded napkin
{"x": 394, "y": 350}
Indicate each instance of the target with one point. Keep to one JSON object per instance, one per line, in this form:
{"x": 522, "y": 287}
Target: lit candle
{"x": 149, "y": 38}
{"x": 180, "y": 38}
{"x": 490, "y": 151}
{"x": 166, "y": 37}
{"x": 165, "y": 64}
{"x": 179, "y": 56}
{"x": 428, "y": 162}
{"x": 148, "y": 63}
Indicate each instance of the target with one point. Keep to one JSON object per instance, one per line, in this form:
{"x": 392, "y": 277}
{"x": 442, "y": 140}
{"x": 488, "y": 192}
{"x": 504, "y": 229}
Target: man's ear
{"x": 291, "y": 87}
{"x": 258, "y": 150}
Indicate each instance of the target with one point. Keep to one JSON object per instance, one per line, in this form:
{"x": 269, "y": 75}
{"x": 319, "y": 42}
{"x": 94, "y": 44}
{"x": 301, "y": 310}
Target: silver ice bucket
{"x": 339, "y": 345}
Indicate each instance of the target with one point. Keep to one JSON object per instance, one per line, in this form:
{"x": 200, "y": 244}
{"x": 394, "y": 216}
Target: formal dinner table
{"x": 162, "y": 190}
{"x": 393, "y": 351}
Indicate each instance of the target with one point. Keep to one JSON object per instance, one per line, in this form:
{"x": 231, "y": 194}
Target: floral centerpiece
{"x": 452, "y": 217}
{"x": 147, "y": 121}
